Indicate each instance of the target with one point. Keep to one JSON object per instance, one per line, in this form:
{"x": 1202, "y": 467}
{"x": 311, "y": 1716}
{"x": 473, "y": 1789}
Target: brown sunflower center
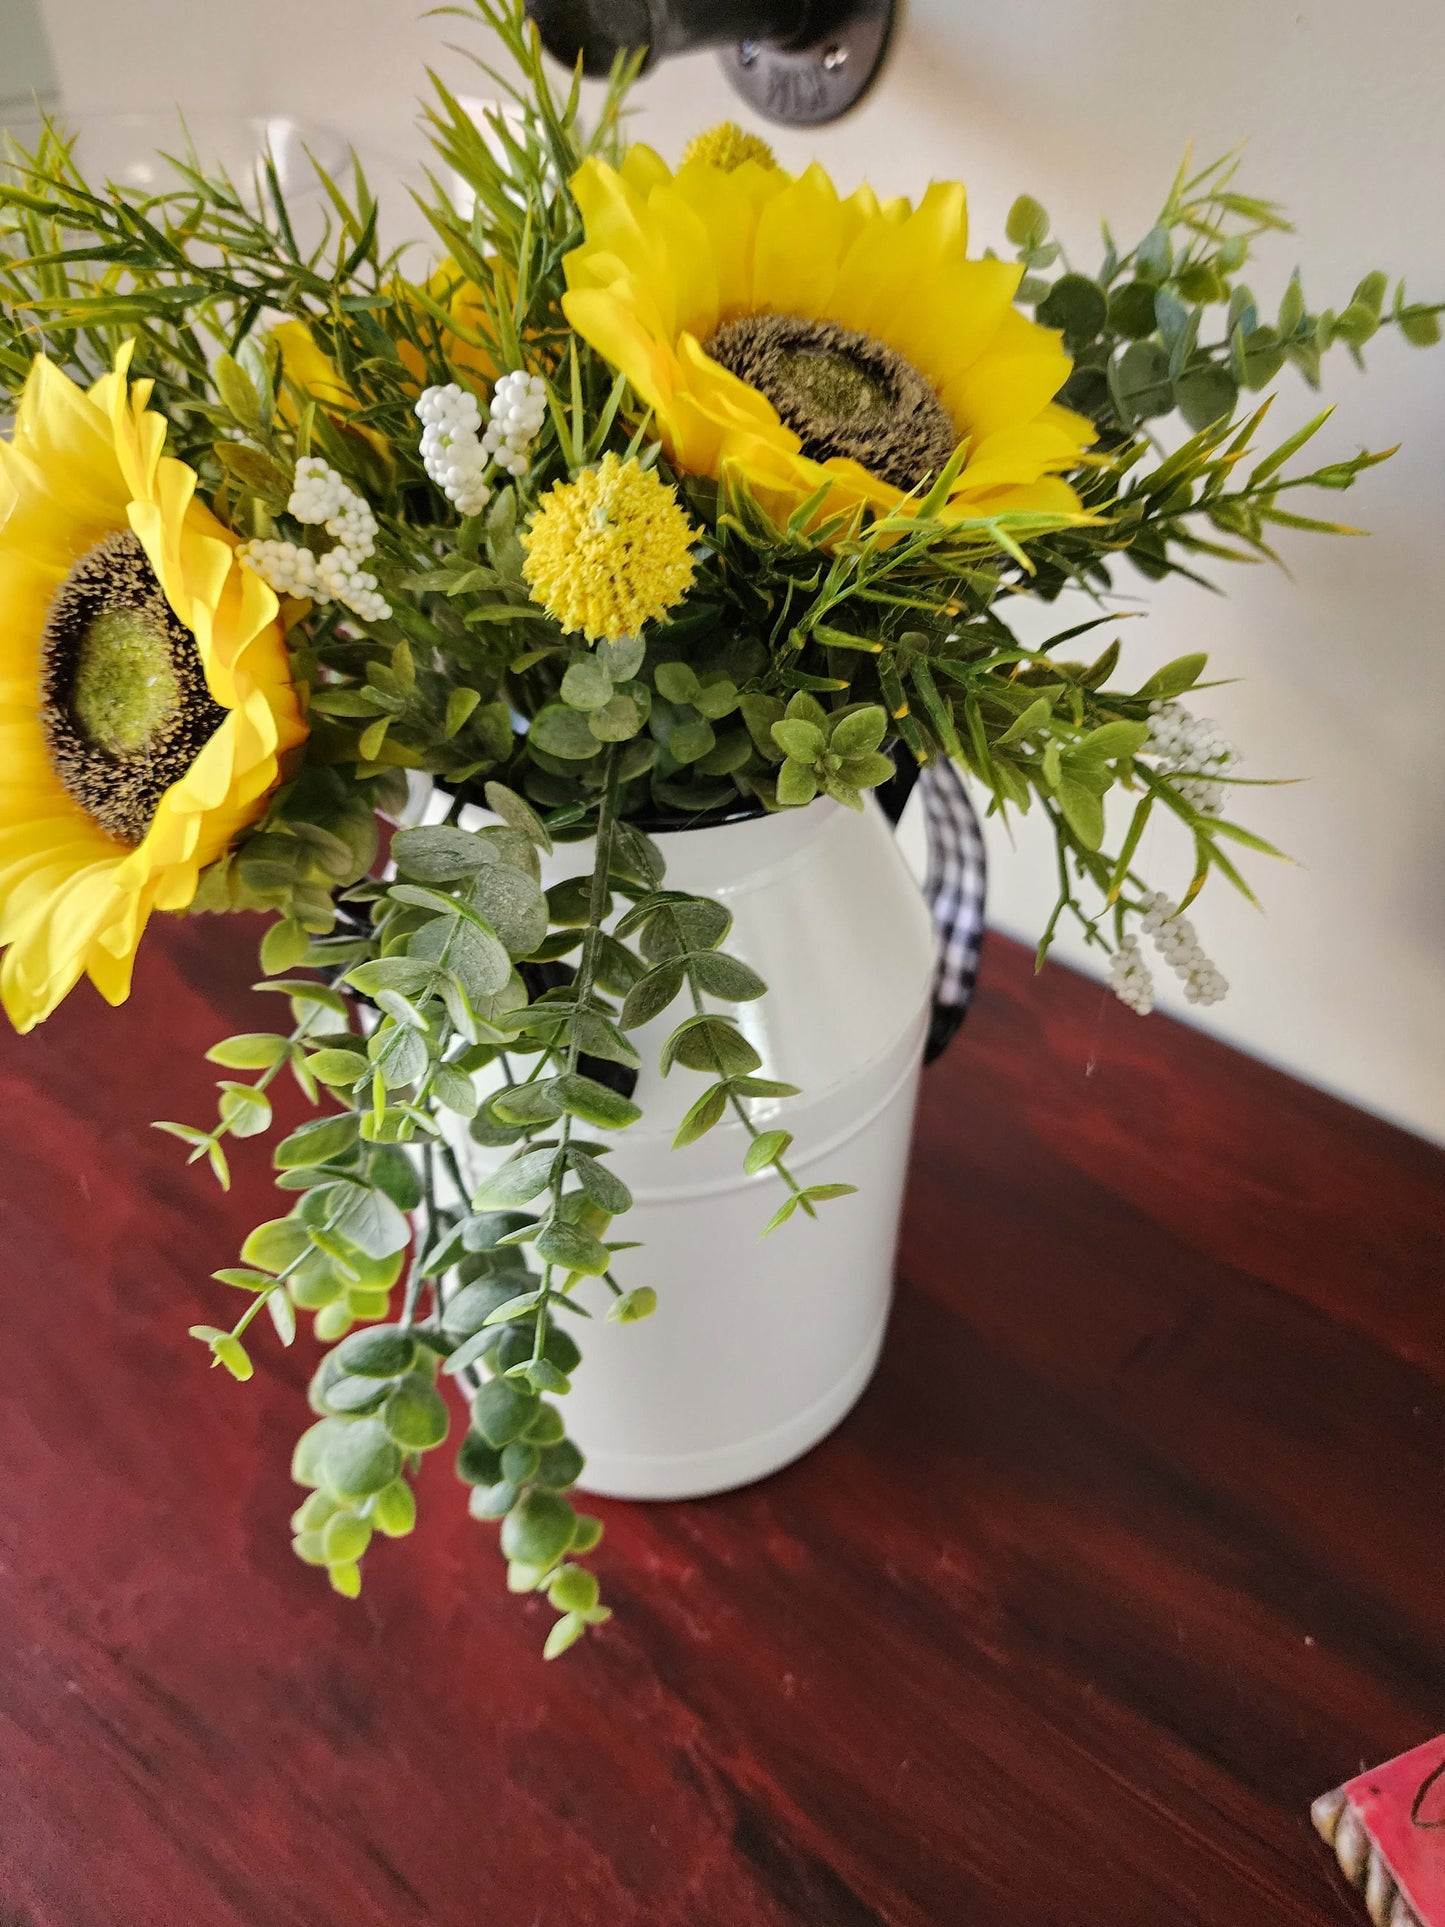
{"x": 842, "y": 393}
{"x": 124, "y": 703}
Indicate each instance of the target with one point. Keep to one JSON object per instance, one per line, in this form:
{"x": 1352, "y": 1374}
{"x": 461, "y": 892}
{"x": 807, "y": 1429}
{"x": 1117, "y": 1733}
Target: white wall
{"x": 1087, "y": 104}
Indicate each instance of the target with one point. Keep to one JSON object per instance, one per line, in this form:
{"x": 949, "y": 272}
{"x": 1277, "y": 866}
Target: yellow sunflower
{"x": 797, "y": 339}
{"x": 145, "y": 694}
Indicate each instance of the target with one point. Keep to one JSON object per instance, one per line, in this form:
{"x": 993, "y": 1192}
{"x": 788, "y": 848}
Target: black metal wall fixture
{"x": 800, "y": 62}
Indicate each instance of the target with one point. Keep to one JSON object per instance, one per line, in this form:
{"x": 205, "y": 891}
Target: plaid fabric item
{"x": 954, "y": 886}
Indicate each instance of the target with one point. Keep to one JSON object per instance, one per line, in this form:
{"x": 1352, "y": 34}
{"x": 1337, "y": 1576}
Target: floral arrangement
{"x": 667, "y": 493}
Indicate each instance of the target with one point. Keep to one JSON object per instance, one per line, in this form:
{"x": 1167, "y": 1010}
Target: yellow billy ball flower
{"x": 145, "y": 691}
{"x": 801, "y": 341}
{"x": 727, "y": 146}
{"x": 609, "y": 552}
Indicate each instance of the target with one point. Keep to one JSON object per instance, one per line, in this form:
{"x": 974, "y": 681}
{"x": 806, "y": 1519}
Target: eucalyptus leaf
{"x": 594, "y": 1103}
{"x": 723, "y": 976}
{"x": 245, "y": 1111}
{"x": 676, "y": 681}
{"x": 367, "y": 1219}
{"x": 476, "y": 956}
{"x": 443, "y": 854}
{"x": 384, "y": 1351}
{"x": 359, "y": 1459}
{"x": 1142, "y": 380}
{"x": 394, "y": 1170}
{"x": 502, "y": 1411}
{"x": 518, "y": 1181}
{"x": 455, "y": 1090}
{"x": 402, "y": 974}
{"x": 586, "y": 686}
{"x": 318, "y": 1140}
{"x": 765, "y": 1150}
{"x": 573, "y": 1248}
{"x": 398, "y": 1053}
{"x": 277, "y": 1244}
{"x": 639, "y": 1303}
{"x": 415, "y": 1414}
{"x": 1076, "y": 306}
{"x": 616, "y": 721}
{"x": 250, "y": 1051}
{"x": 690, "y": 742}
{"x": 338, "y": 1067}
{"x": 563, "y": 732}
{"x": 538, "y": 1529}
{"x": 702, "y": 1116}
{"x": 652, "y": 994}
{"x": 514, "y": 906}
{"x": 621, "y": 659}
{"x": 1206, "y": 395}
{"x": 601, "y": 1185}
{"x": 517, "y": 814}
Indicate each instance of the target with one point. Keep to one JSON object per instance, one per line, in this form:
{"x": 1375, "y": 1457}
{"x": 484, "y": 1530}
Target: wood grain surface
{"x": 1131, "y": 1549}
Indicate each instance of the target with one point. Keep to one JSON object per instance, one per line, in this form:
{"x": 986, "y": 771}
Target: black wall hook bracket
{"x": 800, "y": 62}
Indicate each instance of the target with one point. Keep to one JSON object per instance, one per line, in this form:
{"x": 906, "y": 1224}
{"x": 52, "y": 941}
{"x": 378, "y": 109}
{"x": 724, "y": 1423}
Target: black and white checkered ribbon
{"x": 954, "y": 886}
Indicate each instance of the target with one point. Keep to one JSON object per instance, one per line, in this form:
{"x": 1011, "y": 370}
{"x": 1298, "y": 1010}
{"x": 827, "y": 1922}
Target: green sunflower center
{"x": 124, "y": 703}
{"x": 842, "y": 393}
{"x": 124, "y": 689}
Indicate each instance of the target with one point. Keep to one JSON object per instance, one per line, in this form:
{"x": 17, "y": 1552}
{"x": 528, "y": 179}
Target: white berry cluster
{"x": 455, "y": 452}
{"x": 1177, "y": 944}
{"x": 451, "y": 446}
{"x": 519, "y": 407}
{"x": 322, "y": 498}
{"x": 1129, "y": 977}
{"x": 1174, "y": 939}
{"x": 1193, "y": 749}
{"x": 288, "y": 569}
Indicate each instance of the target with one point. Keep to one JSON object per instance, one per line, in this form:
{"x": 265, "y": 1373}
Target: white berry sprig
{"x": 455, "y": 452}
{"x": 1130, "y": 978}
{"x": 519, "y": 407}
{"x": 1192, "y": 751}
{"x": 1175, "y": 940}
{"x": 320, "y": 498}
{"x": 1177, "y": 944}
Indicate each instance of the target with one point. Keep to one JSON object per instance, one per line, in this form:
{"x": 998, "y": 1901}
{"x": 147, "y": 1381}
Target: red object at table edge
{"x": 1388, "y": 1828}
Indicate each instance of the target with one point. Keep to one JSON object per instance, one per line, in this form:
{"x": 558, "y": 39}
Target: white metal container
{"x": 759, "y": 1346}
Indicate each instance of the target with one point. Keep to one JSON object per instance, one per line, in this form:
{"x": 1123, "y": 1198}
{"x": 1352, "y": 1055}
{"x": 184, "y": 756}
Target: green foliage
{"x": 1170, "y": 325}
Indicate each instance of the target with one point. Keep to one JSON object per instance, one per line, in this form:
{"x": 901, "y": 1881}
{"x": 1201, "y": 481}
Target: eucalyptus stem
{"x": 241, "y": 1325}
{"x": 582, "y": 987}
{"x": 740, "y": 1113}
{"x": 420, "y": 1246}
{"x": 454, "y": 1170}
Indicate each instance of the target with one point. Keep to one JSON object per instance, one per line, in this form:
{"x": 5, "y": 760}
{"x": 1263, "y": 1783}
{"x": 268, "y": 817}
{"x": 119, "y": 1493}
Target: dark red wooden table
{"x": 1131, "y": 1549}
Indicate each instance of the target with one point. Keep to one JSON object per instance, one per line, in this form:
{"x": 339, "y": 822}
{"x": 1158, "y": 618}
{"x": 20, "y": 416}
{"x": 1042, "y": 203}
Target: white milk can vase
{"x": 759, "y": 1346}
